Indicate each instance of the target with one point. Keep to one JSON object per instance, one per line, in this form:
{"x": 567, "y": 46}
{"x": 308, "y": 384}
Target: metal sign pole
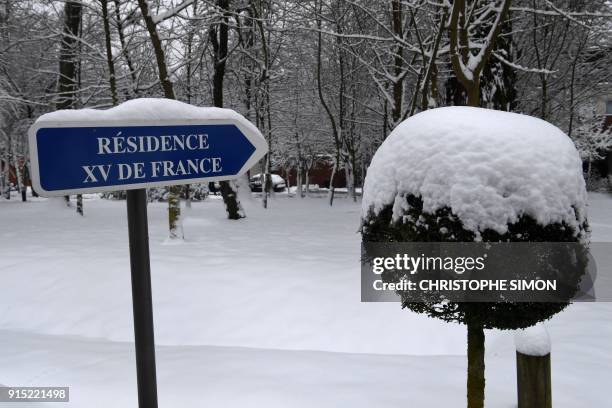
{"x": 141, "y": 297}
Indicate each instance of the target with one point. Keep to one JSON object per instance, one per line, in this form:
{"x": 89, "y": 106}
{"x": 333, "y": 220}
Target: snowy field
{"x": 263, "y": 312}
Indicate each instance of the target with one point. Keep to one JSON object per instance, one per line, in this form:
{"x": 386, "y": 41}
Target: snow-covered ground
{"x": 260, "y": 312}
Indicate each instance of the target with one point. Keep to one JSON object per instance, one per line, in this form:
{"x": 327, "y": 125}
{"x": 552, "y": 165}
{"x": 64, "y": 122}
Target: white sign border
{"x": 247, "y": 129}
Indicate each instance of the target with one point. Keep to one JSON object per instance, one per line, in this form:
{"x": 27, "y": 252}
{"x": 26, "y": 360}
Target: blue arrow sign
{"x": 70, "y": 157}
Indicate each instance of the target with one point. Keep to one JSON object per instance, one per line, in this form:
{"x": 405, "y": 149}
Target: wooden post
{"x": 533, "y": 380}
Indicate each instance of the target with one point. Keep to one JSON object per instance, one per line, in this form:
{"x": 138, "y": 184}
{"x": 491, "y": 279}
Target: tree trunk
{"x": 8, "y": 170}
{"x": 188, "y": 195}
{"x": 430, "y": 79}
{"x": 79, "y": 204}
{"x": 18, "y": 178}
{"x": 459, "y": 48}
{"x": 109, "y": 52}
{"x": 299, "y": 187}
{"x": 266, "y": 181}
{"x": 112, "y": 80}
{"x": 219, "y": 37}
{"x": 398, "y": 61}
{"x": 231, "y": 201}
{"x": 174, "y": 213}
{"x": 4, "y": 170}
{"x": 332, "y": 189}
{"x": 160, "y": 57}
{"x": 67, "y": 82}
{"x": 350, "y": 183}
{"x": 68, "y": 55}
{"x": 269, "y": 184}
{"x": 476, "y": 366}
{"x": 174, "y": 203}
{"x": 336, "y": 129}
{"x": 124, "y": 50}
{"x": 26, "y": 181}
{"x": 589, "y": 166}
{"x": 474, "y": 94}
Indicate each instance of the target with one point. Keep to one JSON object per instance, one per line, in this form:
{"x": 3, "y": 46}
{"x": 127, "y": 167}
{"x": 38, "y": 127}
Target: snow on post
{"x": 462, "y": 174}
{"x": 533, "y": 341}
{"x": 533, "y": 372}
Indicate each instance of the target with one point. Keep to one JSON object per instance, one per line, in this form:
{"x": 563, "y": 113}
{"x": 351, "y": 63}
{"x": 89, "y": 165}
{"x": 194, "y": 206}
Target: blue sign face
{"x": 100, "y": 158}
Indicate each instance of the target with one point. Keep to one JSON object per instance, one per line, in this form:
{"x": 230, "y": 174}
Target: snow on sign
{"x": 71, "y": 154}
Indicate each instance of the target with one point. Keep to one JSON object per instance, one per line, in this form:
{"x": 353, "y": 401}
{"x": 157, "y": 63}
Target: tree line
{"x": 322, "y": 79}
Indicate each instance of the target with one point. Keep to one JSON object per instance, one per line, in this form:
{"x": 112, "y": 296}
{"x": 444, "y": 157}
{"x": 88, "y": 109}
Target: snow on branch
{"x": 520, "y": 67}
{"x": 565, "y": 14}
{"x": 556, "y": 13}
{"x": 171, "y": 12}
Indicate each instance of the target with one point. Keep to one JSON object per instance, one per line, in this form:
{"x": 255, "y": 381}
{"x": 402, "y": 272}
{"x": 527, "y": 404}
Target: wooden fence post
{"x": 533, "y": 379}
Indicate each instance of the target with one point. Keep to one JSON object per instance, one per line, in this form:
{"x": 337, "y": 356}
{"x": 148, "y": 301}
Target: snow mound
{"x": 533, "y": 341}
{"x": 147, "y": 109}
{"x": 490, "y": 167}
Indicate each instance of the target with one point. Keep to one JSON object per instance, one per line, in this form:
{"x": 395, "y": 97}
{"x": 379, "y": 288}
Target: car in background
{"x": 278, "y": 183}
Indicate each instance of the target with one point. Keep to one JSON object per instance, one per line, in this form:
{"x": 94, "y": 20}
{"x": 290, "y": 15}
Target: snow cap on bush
{"x": 489, "y": 167}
